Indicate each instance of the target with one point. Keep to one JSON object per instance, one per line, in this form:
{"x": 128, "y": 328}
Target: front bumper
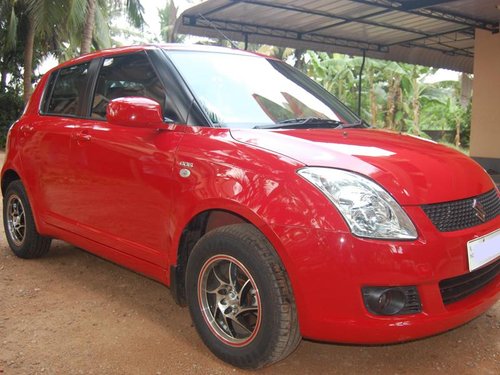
{"x": 327, "y": 270}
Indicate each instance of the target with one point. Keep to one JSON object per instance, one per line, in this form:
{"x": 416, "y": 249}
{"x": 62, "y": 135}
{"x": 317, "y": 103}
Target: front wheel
{"x": 240, "y": 297}
{"x": 19, "y": 225}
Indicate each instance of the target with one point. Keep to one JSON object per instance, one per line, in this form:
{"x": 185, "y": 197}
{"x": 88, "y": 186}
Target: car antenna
{"x": 212, "y": 25}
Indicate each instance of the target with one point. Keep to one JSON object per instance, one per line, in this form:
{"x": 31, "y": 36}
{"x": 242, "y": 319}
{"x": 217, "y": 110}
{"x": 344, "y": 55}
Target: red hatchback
{"x": 265, "y": 204}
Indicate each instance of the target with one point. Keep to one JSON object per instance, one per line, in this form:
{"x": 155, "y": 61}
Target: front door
{"x": 123, "y": 174}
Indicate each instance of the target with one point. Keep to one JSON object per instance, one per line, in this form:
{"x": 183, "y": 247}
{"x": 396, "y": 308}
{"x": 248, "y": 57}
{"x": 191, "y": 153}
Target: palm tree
{"x": 168, "y": 16}
{"x": 35, "y": 18}
{"x": 10, "y": 12}
{"x": 40, "y": 22}
{"x": 7, "y": 46}
{"x": 80, "y": 32}
{"x": 88, "y": 26}
{"x": 96, "y": 12}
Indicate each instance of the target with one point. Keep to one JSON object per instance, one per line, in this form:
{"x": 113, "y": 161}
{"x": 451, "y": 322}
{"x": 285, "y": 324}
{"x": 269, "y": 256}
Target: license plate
{"x": 484, "y": 249}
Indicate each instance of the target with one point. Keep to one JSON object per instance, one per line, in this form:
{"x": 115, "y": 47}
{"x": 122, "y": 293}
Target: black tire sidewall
{"x": 23, "y": 250}
{"x": 261, "y": 346}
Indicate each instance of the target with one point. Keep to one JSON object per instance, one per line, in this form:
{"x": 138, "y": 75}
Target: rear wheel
{"x": 19, "y": 225}
{"x": 240, "y": 298}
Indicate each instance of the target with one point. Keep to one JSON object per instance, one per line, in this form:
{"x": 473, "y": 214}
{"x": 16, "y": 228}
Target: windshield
{"x": 244, "y": 91}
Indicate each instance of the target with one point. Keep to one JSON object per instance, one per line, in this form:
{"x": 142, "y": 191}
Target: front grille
{"x": 458, "y": 288}
{"x": 461, "y": 214}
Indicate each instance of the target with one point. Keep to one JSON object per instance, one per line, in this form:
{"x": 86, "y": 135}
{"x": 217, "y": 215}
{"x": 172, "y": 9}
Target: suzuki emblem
{"x": 480, "y": 212}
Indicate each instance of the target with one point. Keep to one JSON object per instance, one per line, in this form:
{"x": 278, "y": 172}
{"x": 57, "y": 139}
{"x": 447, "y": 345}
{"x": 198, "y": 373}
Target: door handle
{"x": 83, "y": 137}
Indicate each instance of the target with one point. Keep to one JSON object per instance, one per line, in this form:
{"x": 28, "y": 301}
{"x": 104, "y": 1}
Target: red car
{"x": 266, "y": 205}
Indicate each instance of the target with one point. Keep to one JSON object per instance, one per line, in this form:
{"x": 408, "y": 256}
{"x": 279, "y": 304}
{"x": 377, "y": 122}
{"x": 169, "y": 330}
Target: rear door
{"x": 47, "y": 143}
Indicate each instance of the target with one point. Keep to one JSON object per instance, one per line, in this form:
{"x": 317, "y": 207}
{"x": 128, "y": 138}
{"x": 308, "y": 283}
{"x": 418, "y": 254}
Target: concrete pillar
{"x": 485, "y": 129}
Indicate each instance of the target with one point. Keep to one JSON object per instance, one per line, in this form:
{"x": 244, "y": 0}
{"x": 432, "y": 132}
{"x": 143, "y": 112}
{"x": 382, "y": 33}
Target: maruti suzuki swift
{"x": 269, "y": 208}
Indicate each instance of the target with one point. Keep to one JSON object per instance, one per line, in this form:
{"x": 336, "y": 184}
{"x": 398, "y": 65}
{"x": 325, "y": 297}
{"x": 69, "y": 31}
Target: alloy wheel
{"x": 229, "y": 300}
{"x": 16, "y": 220}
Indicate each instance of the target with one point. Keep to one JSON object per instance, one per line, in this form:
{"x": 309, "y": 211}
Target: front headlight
{"x": 366, "y": 207}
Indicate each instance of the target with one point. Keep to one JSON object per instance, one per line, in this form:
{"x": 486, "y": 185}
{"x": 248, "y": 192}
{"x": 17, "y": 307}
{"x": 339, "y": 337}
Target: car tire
{"x": 240, "y": 298}
{"x": 19, "y": 225}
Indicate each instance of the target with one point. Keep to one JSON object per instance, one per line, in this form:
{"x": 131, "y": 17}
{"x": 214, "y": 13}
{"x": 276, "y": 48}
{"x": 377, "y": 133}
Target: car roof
{"x": 166, "y": 46}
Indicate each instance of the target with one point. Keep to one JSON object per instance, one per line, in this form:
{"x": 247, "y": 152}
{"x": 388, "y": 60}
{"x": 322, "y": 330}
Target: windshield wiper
{"x": 357, "y": 124}
{"x": 303, "y": 123}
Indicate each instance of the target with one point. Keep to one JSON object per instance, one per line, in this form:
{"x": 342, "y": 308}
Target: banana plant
{"x": 393, "y": 93}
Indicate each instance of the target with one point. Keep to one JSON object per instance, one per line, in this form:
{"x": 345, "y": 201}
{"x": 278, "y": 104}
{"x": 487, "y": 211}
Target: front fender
{"x": 257, "y": 185}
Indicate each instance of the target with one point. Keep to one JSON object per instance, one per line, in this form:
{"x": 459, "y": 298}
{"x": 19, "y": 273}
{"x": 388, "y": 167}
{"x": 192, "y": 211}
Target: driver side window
{"x": 123, "y": 76}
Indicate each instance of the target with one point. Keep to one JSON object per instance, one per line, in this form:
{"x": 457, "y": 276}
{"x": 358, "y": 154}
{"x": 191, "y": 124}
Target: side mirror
{"x": 132, "y": 111}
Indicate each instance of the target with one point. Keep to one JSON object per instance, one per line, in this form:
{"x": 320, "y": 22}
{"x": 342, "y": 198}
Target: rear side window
{"x": 123, "y": 76}
{"x": 67, "y": 91}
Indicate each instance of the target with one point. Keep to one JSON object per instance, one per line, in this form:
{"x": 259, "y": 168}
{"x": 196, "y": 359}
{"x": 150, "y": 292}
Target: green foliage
{"x": 11, "y": 107}
{"x": 13, "y": 25}
{"x": 135, "y": 13}
{"x": 393, "y": 95}
{"x": 58, "y": 30}
{"x": 168, "y": 16}
{"x": 102, "y": 33}
{"x": 466, "y": 125}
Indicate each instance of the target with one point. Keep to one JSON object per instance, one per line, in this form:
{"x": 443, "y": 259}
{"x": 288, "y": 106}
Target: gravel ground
{"x": 73, "y": 313}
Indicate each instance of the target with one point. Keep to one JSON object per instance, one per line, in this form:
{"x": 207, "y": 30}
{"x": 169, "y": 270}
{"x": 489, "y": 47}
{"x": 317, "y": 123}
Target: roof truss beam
{"x": 417, "y": 4}
{"x": 418, "y": 41}
{"x": 233, "y": 2}
{"x": 462, "y": 30}
{"x": 454, "y": 52}
{"x": 252, "y": 29}
{"x": 259, "y": 30}
{"x": 432, "y": 13}
{"x": 357, "y": 19}
{"x": 342, "y": 19}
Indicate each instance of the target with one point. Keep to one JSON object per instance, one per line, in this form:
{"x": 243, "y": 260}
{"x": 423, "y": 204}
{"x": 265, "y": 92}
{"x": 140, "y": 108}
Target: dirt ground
{"x": 73, "y": 313}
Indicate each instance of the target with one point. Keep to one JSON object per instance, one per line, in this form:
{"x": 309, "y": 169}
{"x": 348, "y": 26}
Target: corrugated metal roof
{"x": 437, "y": 33}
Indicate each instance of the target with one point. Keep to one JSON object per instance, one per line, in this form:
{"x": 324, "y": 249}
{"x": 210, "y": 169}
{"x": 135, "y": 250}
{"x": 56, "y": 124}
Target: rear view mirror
{"x": 132, "y": 111}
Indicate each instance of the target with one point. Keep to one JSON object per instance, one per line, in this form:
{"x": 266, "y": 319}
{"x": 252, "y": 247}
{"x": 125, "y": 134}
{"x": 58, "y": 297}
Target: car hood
{"x": 415, "y": 171}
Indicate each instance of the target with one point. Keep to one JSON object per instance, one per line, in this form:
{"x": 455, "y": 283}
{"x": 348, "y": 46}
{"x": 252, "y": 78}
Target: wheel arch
{"x": 9, "y": 176}
{"x": 200, "y": 224}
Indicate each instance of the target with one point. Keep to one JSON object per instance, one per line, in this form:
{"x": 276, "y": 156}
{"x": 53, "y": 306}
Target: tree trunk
{"x": 28, "y": 59}
{"x": 3, "y": 86}
{"x": 398, "y": 105}
{"x": 373, "y": 99}
{"x": 88, "y": 27}
{"x": 465, "y": 89}
{"x": 416, "y": 106}
{"x": 299, "y": 59}
{"x": 171, "y": 35}
{"x": 392, "y": 97}
{"x": 457, "y": 130}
